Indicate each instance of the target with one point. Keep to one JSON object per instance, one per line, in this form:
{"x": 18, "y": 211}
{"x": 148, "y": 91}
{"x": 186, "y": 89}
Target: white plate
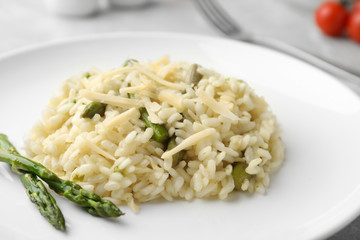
{"x": 314, "y": 194}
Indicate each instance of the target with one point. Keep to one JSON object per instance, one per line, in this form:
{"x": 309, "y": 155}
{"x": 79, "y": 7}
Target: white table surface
{"x": 28, "y": 22}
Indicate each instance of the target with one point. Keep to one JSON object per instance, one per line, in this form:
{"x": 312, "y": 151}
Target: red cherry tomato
{"x": 353, "y": 26}
{"x": 331, "y": 18}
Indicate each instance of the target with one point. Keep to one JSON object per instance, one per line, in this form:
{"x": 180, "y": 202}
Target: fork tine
{"x": 209, "y": 16}
{"x": 222, "y": 14}
{"x": 217, "y": 15}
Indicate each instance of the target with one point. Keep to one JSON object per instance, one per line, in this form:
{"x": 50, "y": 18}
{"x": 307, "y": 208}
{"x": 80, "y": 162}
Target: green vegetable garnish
{"x": 239, "y": 174}
{"x": 46, "y": 204}
{"x": 20, "y": 164}
{"x": 160, "y": 134}
{"x": 94, "y": 108}
{"x": 129, "y": 62}
{"x": 87, "y": 75}
{"x": 35, "y": 189}
{"x": 193, "y": 75}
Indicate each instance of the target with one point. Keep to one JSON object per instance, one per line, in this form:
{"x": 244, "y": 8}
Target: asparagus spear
{"x": 89, "y": 201}
{"x": 160, "y": 134}
{"x": 193, "y": 75}
{"x": 46, "y": 204}
{"x": 239, "y": 174}
{"x": 36, "y": 191}
{"x": 93, "y": 108}
{"x": 129, "y": 62}
{"x": 88, "y": 74}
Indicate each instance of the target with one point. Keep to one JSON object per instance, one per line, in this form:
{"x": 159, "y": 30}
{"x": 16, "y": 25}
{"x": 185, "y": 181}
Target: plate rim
{"x": 320, "y": 233}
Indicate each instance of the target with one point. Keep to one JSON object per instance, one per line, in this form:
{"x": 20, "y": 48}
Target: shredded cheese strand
{"x": 159, "y": 80}
{"x": 192, "y": 140}
{"x": 171, "y": 98}
{"x": 216, "y": 106}
{"x": 98, "y": 150}
{"x": 132, "y": 89}
{"x": 121, "y": 118}
{"x": 152, "y": 116}
{"x": 118, "y": 71}
{"x": 109, "y": 99}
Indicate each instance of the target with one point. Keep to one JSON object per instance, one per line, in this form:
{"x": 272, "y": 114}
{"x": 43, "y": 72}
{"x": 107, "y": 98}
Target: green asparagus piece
{"x": 193, "y": 75}
{"x": 93, "y": 108}
{"x": 129, "y": 62}
{"x": 87, "y": 74}
{"x": 89, "y": 201}
{"x": 239, "y": 174}
{"x": 46, "y": 204}
{"x": 36, "y": 191}
{"x": 160, "y": 134}
{"x": 178, "y": 156}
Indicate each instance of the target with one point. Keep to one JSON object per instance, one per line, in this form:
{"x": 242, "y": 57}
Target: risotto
{"x": 170, "y": 130}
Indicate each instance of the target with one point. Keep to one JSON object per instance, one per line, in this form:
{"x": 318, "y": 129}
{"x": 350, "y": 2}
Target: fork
{"x": 217, "y": 16}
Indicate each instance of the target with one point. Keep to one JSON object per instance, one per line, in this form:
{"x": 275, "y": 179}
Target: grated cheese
{"x": 216, "y": 106}
{"x": 132, "y": 89}
{"x": 148, "y": 93}
{"x": 91, "y": 83}
{"x": 118, "y": 71}
{"x": 121, "y": 118}
{"x": 192, "y": 140}
{"x": 172, "y": 98}
{"x": 159, "y": 80}
{"x": 93, "y": 147}
{"x": 168, "y": 70}
{"x": 108, "y": 99}
{"x": 152, "y": 116}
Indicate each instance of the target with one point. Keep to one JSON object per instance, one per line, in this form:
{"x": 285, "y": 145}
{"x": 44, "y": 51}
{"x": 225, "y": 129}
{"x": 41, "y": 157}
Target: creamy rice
{"x": 218, "y": 122}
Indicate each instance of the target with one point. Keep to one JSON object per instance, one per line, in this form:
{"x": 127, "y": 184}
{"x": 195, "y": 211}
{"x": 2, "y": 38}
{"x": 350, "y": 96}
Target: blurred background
{"x": 30, "y": 22}
{"x": 27, "y": 22}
